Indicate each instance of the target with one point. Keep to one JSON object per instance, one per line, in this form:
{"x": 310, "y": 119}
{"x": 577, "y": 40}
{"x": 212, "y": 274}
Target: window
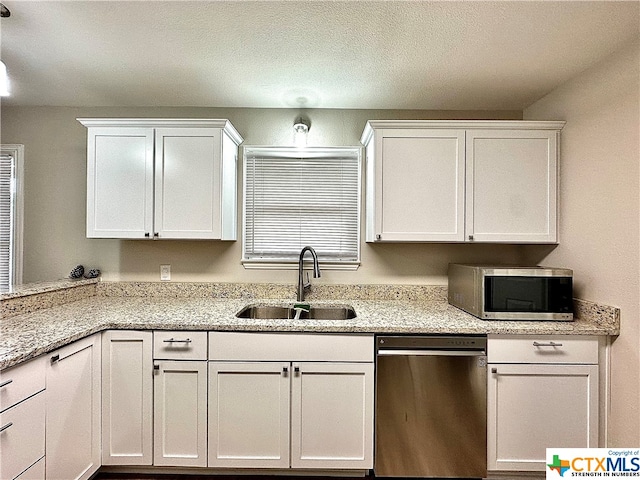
{"x": 10, "y": 216}
{"x": 295, "y": 197}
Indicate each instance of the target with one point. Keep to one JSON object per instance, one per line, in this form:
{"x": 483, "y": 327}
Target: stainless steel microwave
{"x": 512, "y": 292}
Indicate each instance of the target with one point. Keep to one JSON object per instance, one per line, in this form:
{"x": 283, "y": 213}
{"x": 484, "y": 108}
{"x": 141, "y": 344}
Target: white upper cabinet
{"x": 511, "y": 185}
{"x": 161, "y": 178}
{"x": 415, "y": 185}
{"x": 461, "y": 181}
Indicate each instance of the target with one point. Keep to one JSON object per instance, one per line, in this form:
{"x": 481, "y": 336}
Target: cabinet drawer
{"x": 22, "y": 440}
{"x": 34, "y": 472}
{"x": 179, "y": 345}
{"x": 542, "y": 349}
{"x": 239, "y": 346}
{"x": 21, "y": 381}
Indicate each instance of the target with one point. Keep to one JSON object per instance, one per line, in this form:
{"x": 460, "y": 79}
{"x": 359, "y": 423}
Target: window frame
{"x": 292, "y": 263}
{"x": 17, "y": 242}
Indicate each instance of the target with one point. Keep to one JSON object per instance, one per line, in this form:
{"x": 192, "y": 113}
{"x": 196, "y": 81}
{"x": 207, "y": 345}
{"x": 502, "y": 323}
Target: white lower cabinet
{"x": 22, "y": 420}
{"x": 127, "y": 398}
{"x": 284, "y": 407}
{"x": 331, "y": 414}
{"x": 22, "y": 436}
{"x": 542, "y": 393}
{"x": 34, "y": 472}
{"x": 180, "y": 399}
{"x": 73, "y": 410}
{"x": 249, "y": 414}
{"x": 180, "y": 413}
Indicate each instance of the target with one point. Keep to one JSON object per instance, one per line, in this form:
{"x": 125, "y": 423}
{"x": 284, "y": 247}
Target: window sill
{"x": 293, "y": 265}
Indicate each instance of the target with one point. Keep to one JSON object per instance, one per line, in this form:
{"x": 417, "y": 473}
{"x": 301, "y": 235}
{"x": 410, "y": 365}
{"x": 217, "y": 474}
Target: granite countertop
{"x": 28, "y": 335}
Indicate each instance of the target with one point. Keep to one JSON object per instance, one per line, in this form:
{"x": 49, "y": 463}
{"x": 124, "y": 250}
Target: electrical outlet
{"x": 165, "y": 273}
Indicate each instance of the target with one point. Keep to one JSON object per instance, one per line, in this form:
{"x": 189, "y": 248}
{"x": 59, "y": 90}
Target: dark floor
{"x": 169, "y": 476}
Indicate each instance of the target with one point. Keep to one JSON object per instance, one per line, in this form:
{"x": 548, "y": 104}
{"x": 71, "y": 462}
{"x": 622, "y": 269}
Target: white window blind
{"x": 296, "y": 197}
{"x": 7, "y": 174}
{"x": 11, "y": 205}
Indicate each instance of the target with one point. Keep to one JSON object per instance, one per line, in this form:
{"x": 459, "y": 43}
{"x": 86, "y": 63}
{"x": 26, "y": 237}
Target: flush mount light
{"x": 4, "y": 80}
{"x": 4, "y": 11}
{"x": 301, "y": 127}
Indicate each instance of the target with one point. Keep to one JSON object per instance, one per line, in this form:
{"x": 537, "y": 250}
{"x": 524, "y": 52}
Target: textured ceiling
{"x": 313, "y": 54}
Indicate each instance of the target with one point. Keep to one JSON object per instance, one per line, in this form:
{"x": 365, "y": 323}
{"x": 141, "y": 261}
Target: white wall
{"x": 55, "y": 199}
{"x": 600, "y": 210}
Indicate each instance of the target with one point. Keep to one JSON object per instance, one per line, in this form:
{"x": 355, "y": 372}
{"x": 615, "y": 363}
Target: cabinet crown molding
{"x": 222, "y": 123}
{"x": 373, "y": 125}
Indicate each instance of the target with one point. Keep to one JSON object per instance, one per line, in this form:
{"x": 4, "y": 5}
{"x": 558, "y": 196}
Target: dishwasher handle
{"x": 434, "y": 353}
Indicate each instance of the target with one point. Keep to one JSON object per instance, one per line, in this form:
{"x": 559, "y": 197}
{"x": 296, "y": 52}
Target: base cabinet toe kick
{"x": 265, "y": 402}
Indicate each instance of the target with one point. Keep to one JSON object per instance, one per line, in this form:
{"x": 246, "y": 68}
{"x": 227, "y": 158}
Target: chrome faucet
{"x": 316, "y": 272}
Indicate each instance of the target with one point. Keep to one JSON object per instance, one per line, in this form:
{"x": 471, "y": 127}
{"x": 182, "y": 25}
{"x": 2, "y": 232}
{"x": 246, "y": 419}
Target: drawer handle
{"x": 172, "y": 340}
{"x": 5, "y": 383}
{"x": 550, "y": 344}
{"x": 3, "y": 428}
{"x": 55, "y": 359}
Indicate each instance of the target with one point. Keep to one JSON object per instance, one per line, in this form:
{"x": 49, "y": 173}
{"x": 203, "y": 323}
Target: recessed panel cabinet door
{"x": 188, "y": 183}
{"x": 332, "y": 415}
{"x": 127, "y": 398}
{"x": 119, "y": 182}
{"x": 73, "y": 410}
{"x": 532, "y": 407}
{"x": 511, "y": 186}
{"x": 249, "y": 414}
{"x": 180, "y": 414}
{"x": 419, "y": 184}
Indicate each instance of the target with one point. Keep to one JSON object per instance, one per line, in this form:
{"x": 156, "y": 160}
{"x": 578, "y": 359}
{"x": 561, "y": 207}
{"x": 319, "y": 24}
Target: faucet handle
{"x": 307, "y": 284}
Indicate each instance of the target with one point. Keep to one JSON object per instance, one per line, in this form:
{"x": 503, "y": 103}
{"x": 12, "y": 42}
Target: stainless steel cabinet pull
{"x": 285, "y": 370}
{"x": 172, "y": 340}
{"x": 4, "y": 427}
{"x": 55, "y": 358}
{"x": 494, "y": 370}
{"x": 550, "y": 344}
{"x": 296, "y": 369}
{"x": 5, "y": 383}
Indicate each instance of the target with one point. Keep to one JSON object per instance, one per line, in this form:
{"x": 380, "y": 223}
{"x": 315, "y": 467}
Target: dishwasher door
{"x": 431, "y": 407}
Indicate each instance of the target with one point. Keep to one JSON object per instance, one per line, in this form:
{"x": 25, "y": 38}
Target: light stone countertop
{"x": 28, "y": 335}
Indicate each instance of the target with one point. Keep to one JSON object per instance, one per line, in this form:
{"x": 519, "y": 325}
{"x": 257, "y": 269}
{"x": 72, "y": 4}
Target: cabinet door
{"x": 127, "y": 398}
{"x": 532, "y": 407}
{"x": 180, "y": 414}
{"x": 417, "y": 184}
{"x": 188, "y": 180}
{"x": 511, "y": 185}
{"x": 249, "y": 414}
{"x": 332, "y": 415}
{"x": 119, "y": 182}
{"x": 73, "y": 410}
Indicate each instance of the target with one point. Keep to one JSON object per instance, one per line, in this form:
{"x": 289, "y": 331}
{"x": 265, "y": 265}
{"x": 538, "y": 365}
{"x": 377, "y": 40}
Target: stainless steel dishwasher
{"x": 431, "y": 406}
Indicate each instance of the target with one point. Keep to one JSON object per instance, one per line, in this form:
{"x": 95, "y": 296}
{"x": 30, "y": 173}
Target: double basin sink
{"x": 287, "y": 312}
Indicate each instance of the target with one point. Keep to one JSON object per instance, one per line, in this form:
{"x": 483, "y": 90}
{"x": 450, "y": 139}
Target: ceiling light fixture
{"x": 4, "y": 80}
{"x": 4, "y": 11}
{"x": 301, "y": 127}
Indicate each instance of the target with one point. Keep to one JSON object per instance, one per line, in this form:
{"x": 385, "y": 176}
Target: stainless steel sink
{"x": 322, "y": 312}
